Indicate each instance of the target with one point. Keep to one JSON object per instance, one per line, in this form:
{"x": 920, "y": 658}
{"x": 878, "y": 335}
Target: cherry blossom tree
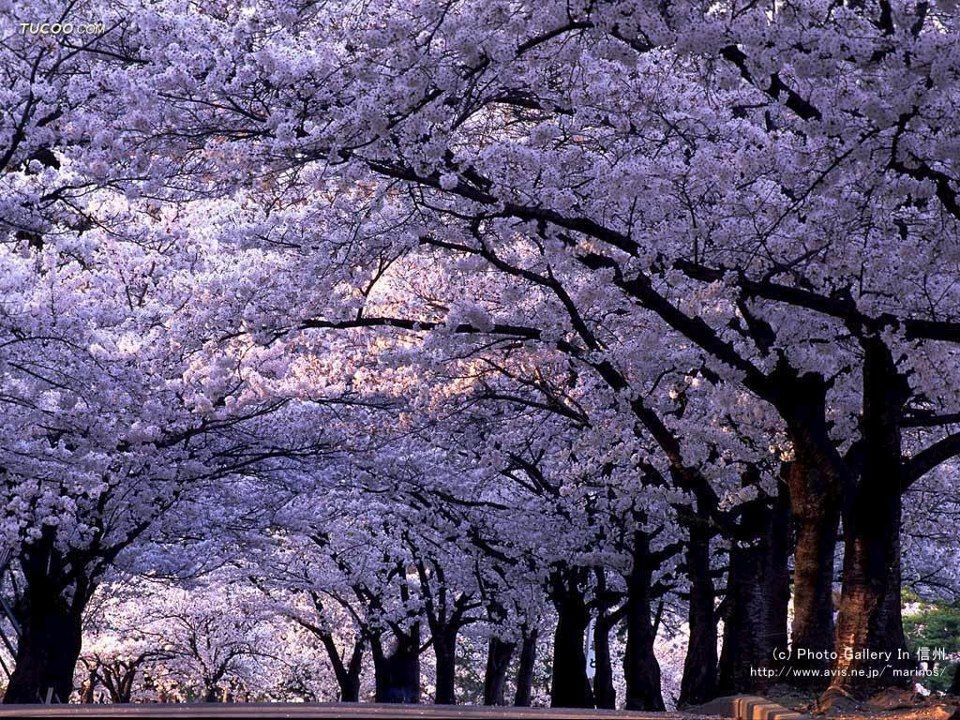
{"x": 458, "y": 317}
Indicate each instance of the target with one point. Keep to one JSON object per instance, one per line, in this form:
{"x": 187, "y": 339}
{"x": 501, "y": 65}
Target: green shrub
{"x": 936, "y": 625}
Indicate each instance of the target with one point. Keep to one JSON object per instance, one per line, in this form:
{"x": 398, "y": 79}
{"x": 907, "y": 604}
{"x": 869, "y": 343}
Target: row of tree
{"x": 549, "y": 318}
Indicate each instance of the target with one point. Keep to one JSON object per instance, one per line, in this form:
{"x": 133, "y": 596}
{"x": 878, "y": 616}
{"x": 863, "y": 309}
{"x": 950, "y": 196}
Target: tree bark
{"x": 347, "y": 673}
{"x": 46, "y": 655}
{"x": 525, "y": 667}
{"x": 777, "y": 569}
{"x": 118, "y": 678}
{"x": 604, "y": 694}
{"x": 816, "y": 478}
{"x": 641, "y": 670}
{"x": 212, "y": 693}
{"x": 89, "y": 686}
{"x": 349, "y": 679}
{"x": 125, "y": 685}
{"x": 445, "y": 650}
{"x": 397, "y": 675}
{"x": 499, "y": 654}
{"x": 50, "y": 627}
{"x": 569, "y": 685}
{"x": 350, "y": 684}
{"x": 815, "y": 521}
{"x": 758, "y": 594}
{"x": 699, "y": 681}
{"x": 870, "y": 641}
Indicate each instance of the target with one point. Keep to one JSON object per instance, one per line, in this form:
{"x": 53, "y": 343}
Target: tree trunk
{"x": 569, "y": 685}
{"x": 347, "y": 673}
{"x": 445, "y": 650}
{"x": 870, "y": 641}
{"x": 212, "y": 692}
{"x": 758, "y": 593}
{"x": 955, "y": 683}
{"x": 350, "y": 681}
{"x": 640, "y": 667}
{"x": 350, "y": 690}
{"x": 125, "y": 687}
{"x": 604, "y": 694}
{"x": 50, "y": 628}
{"x": 815, "y": 522}
{"x": 816, "y": 478}
{"x": 89, "y": 687}
{"x": 777, "y": 572}
{"x": 118, "y": 679}
{"x": 499, "y": 654}
{"x": 397, "y": 675}
{"x": 525, "y": 667}
{"x": 46, "y": 655}
{"x": 699, "y": 680}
